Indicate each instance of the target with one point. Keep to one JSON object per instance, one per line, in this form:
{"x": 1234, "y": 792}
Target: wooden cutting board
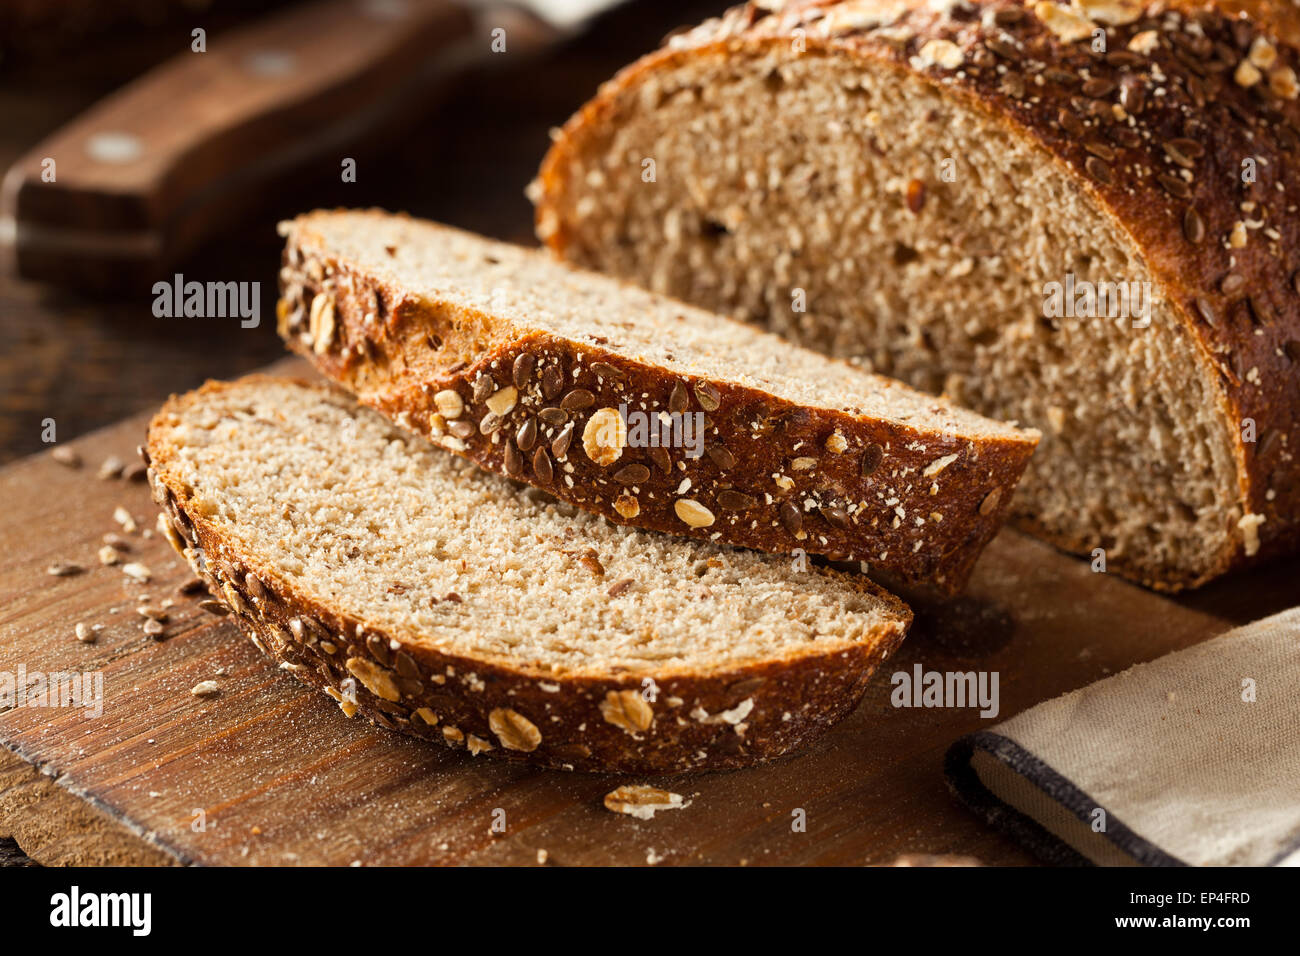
{"x": 271, "y": 773}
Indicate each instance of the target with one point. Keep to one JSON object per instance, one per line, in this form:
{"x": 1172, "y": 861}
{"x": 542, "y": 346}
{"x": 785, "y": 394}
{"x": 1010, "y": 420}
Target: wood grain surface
{"x": 279, "y": 776}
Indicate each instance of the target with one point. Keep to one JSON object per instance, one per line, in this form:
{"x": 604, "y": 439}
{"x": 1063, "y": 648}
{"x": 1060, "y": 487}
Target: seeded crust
{"x": 516, "y": 362}
{"x": 468, "y": 609}
{"x": 1115, "y": 129}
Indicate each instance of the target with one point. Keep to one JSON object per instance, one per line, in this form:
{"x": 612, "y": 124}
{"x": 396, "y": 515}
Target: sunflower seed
{"x": 1207, "y": 311}
{"x": 678, "y": 400}
{"x": 1175, "y": 186}
{"x": 871, "y": 459}
{"x": 1098, "y": 87}
{"x": 491, "y": 422}
{"x": 990, "y": 502}
{"x": 719, "y": 455}
{"x": 659, "y": 455}
{"x": 1070, "y": 123}
{"x": 1178, "y": 156}
{"x": 791, "y": 517}
{"x": 1099, "y": 171}
{"x": 736, "y": 501}
{"x": 560, "y": 447}
{"x": 633, "y": 474}
{"x": 707, "y": 396}
{"x": 522, "y": 371}
{"x": 577, "y": 400}
{"x": 1133, "y": 96}
{"x": 552, "y": 382}
{"x": 836, "y": 517}
{"x": 542, "y": 466}
{"x": 1260, "y": 309}
{"x": 514, "y": 462}
{"x": 1004, "y": 48}
{"x": 620, "y": 587}
{"x": 526, "y": 437}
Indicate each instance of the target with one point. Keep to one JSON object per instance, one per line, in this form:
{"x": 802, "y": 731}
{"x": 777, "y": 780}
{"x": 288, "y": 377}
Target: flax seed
{"x": 522, "y": 371}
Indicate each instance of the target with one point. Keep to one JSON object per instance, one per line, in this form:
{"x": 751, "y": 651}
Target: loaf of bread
{"x": 455, "y": 605}
{"x": 640, "y": 408}
{"x": 1078, "y": 215}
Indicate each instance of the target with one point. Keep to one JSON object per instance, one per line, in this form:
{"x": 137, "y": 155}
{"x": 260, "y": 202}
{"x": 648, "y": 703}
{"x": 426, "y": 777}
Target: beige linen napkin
{"x": 1192, "y": 759}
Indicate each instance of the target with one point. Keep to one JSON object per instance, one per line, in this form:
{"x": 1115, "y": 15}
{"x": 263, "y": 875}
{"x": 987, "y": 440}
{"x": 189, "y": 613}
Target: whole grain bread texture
{"x": 451, "y": 604}
{"x": 940, "y": 178}
{"x": 639, "y": 408}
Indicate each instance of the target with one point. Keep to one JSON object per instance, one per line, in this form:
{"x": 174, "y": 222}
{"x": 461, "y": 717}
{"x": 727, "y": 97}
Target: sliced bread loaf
{"x": 1078, "y": 215}
{"x": 452, "y": 604}
{"x": 640, "y": 408}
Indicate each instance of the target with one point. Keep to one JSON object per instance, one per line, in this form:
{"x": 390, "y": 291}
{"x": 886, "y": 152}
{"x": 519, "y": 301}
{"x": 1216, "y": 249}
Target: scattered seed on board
{"x": 136, "y": 471}
{"x": 111, "y": 468}
{"x": 152, "y": 612}
{"x": 85, "y": 634}
{"x": 64, "y": 569}
{"x": 192, "y": 586}
{"x": 153, "y": 629}
{"x": 109, "y": 555}
{"x": 66, "y": 456}
{"x": 123, "y": 517}
{"x": 116, "y": 541}
{"x": 137, "y": 572}
{"x": 214, "y": 607}
{"x": 205, "y": 688}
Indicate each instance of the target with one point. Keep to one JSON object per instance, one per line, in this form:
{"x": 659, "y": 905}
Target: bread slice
{"x": 935, "y": 176}
{"x": 452, "y": 604}
{"x": 566, "y": 379}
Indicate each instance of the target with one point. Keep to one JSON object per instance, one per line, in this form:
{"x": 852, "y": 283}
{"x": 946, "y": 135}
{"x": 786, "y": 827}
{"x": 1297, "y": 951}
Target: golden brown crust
{"x": 1157, "y": 133}
{"x": 729, "y": 718}
{"x": 917, "y": 504}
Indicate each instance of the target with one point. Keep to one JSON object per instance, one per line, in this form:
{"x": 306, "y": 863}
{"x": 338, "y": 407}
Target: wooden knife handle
{"x": 149, "y": 172}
